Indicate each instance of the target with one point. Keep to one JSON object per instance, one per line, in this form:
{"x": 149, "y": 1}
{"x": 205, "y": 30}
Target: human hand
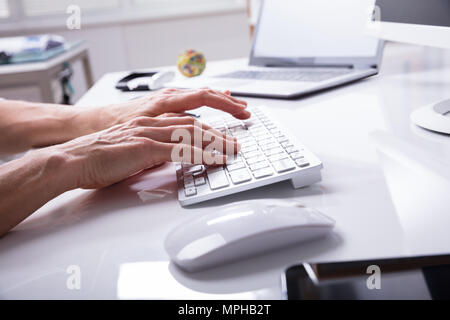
{"x": 166, "y": 101}
{"x": 106, "y": 157}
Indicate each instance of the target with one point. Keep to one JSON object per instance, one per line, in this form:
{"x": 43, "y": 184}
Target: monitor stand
{"x": 435, "y": 117}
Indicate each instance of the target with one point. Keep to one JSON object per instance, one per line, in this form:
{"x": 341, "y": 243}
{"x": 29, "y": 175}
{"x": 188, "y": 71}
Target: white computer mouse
{"x": 242, "y": 229}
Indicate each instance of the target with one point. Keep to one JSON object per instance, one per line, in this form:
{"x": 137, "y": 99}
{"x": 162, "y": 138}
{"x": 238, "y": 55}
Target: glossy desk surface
{"x": 385, "y": 182}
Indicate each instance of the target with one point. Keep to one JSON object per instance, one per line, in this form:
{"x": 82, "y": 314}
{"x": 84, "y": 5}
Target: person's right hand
{"x": 165, "y": 101}
{"x": 106, "y": 157}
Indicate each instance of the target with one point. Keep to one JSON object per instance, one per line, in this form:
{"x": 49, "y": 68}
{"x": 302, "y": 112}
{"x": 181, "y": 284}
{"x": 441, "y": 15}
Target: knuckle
{"x": 139, "y": 131}
{"x": 139, "y": 121}
{"x": 190, "y": 128}
{"x": 169, "y": 91}
{"x": 145, "y": 142}
{"x": 188, "y": 120}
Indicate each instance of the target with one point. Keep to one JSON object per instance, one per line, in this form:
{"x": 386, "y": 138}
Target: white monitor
{"x": 424, "y": 22}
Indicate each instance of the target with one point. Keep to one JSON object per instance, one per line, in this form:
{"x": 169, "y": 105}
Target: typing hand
{"x": 103, "y": 158}
{"x": 168, "y": 102}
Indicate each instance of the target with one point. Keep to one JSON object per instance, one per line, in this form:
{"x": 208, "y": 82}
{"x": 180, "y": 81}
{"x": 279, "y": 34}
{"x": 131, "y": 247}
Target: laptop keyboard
{"x": 287, "y": 75}
{"x": 267, "y": 156}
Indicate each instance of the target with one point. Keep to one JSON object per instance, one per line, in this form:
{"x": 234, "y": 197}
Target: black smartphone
{"x": 422, "y": 277}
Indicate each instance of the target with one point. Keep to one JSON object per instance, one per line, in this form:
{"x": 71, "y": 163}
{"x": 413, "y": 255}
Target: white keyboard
{"x": 267, "y": 156}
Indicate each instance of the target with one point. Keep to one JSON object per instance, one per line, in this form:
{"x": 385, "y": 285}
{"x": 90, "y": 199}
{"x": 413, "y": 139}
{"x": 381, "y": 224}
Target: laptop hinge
{"x": 365, "y": 66}
{"x": 304, "y": 65}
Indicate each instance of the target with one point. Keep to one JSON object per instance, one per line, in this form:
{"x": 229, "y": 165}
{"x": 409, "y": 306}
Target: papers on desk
{"x": 30, "y": 48}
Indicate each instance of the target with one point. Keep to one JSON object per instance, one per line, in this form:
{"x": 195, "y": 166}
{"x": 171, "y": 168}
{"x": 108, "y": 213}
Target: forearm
{"x": 25, "y": 125}
{"x": 28, "y": 183}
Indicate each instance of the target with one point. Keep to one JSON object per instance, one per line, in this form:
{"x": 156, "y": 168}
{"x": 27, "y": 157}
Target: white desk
{"x": 394, "y": 203}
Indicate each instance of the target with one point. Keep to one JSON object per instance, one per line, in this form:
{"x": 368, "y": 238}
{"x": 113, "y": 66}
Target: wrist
{"x": 58, "y": 169}
{"x": 100, "y": 118}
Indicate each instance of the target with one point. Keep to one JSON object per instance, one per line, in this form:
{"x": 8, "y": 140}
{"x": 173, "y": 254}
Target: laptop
{"x": 300, "y": 47}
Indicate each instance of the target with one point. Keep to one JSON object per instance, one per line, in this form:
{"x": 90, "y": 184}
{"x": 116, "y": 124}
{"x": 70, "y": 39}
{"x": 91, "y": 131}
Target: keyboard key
{"x": 262, "y": 137}
{"x": 256, "y": 127}
{"x": 189, "y": 182}
{"x": 283, "y": 165}
{"x": 267, "y": 141}
{"x": 214, "y": 169}
{"x": 296, "y": 155}
{"x": 261, "y": 173}
{"x": 286, "y": 144}
{"x": 291, "y": 149}
{"x": 235, "y": 166}
{"x": 252, "y": 154}
{"x": 274, "y": 130}
{"x": 234, "y": 159}
{"x": 192, "y": 191}
{"x": 278, "y": 157}
{"x": 259, "y": 165}
{"x": 249, "y": 148}
{"x": 302, "y": 162}
{"x": 217, "y": 124}
{"x": 282, "y": 139}
{"x": 240, "y": 176}
{"x": 278, "y": 134}
{"x": 245, "y": 140}
{"x": 273, "y": 151}
{"x": 199, "y": 181}
{"x": 251, "y": 122}
{"x": 269, "y": 146}
{"x": 194, "y": 169}
{"x": 241, "y": 136}
{"x": 235, "y": 124}
{"x": 256, "y": 159}
{"x": 217, "y": 179}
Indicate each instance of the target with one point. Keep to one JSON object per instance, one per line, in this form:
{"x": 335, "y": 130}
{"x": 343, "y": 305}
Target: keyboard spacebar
{"x": 218, "y": 179}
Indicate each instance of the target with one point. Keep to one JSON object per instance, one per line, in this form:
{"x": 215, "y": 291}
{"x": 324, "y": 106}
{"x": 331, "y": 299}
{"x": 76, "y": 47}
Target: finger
{"x": 190, "y": 135}
{"x": 177, "y": 121}
{"x": 173, "y": 114}
{"x": 228, "y": 94}
{"x": 244, "y": 114}
{"x": 187, "y": 154}
{"x": 207, "y": 97}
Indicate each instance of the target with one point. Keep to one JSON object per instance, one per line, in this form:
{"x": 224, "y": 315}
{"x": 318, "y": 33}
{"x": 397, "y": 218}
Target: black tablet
{"x": 424, "y": 277}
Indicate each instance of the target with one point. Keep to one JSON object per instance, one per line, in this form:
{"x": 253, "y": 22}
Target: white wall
{"x": 151, "y": 44}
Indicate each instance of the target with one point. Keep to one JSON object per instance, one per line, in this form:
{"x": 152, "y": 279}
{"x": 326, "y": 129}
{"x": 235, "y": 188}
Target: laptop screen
{"x": 315, "y": 29}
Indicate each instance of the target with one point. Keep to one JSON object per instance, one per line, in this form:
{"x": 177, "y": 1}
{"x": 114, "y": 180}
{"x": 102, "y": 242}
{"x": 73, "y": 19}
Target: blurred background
{"x": 131, "y": 34}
